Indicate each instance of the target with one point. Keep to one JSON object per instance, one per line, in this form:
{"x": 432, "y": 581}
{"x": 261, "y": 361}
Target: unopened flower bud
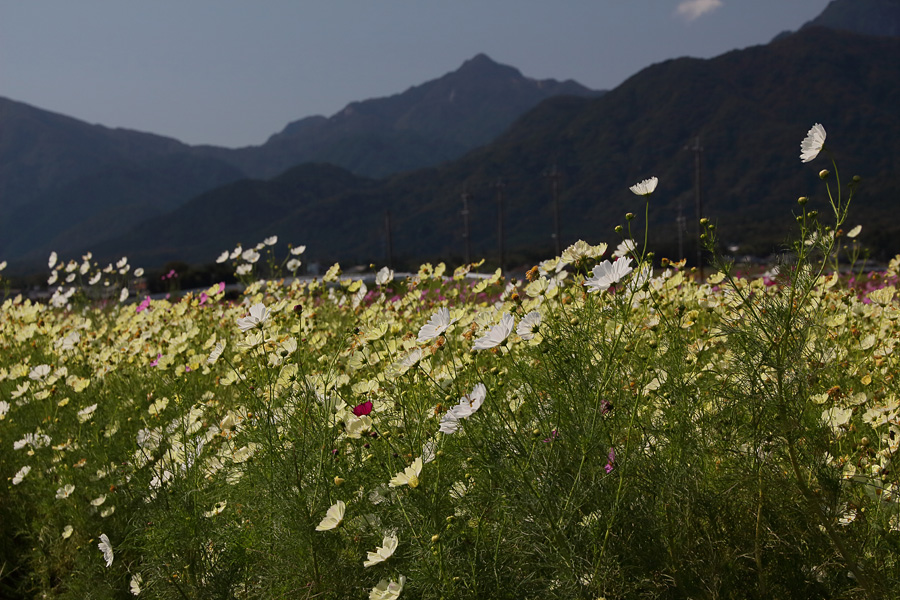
{"x": 619, "y": 229}
{"x": 338, "y": 481}
{"x": 823, "y": 174}
{"x": 802, "y": 200}
{"x": 629, "y": 216}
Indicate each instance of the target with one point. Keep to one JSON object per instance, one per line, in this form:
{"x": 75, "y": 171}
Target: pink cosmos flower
{"x": 144, "y": 305}
{"x": 363, "y": 409}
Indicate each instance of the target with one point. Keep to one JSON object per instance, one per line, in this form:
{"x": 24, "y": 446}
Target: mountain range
{"x": 69, "y": 186}
{"x": 750, "y": 109}
{"x": 66, "y": 185}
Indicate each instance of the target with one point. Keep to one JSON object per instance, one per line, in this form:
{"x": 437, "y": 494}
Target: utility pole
{"x": 390, "y": 243}
{"x": 553, "y": 176}
{"x": 697, "y": 149}
{"x": 466, "y": 196}
{"x": 499, "y": 187}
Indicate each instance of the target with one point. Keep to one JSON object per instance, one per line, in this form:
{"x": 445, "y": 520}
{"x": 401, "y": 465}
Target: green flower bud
{"x": 823, "y": 174}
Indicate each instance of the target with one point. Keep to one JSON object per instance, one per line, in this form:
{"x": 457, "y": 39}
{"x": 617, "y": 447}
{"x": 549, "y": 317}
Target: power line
{"x": 554, "y": 176}
{"x": 499, "y": 186}
{"x": 466, "y": 196}
{"x": 697, "y": 149}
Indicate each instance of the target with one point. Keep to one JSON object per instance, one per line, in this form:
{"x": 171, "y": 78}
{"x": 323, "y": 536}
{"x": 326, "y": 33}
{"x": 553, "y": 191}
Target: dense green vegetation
{"x": 599, "y": 430}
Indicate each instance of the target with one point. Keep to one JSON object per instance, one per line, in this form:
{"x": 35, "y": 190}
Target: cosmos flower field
{"x": 611, "y": 426}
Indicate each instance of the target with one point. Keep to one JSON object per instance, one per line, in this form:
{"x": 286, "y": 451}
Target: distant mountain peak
{"x": 483, "y": 65}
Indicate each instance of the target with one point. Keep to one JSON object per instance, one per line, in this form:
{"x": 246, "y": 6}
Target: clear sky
{"x": 233, "y": 72}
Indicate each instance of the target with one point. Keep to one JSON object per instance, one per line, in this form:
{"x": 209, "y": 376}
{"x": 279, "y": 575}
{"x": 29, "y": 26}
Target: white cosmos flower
{"x": 436, "y": 325}
{"x": 467, "y": 406}
{"x": 449, "y": 423}
{"x": 139, "y": 272}
{"x": 236, "y": 252}
{"x": 243, "y": 269}
{"x": 471, "y": 402}
{"x": 216, "y": 353}
{"x": 259, "y": 314}
{"x": 95, "y": 278}
{"x": 271, "y": 240}
{"x": 122, "y": 262}
{"x": 135, "y": 586}
{"x": 20, "y": 475}
{"x": 106, "y": 549}
{"x": 645, "y": 188}
{"x": 429, "y": 451}
{"x": 624, "y": 248}
{"x": 69, "y": 342}
{"x": 498, "y": 333}
{"x": 409, "y": 476}
{"x": 383, "y": 552}
{"x": 85, "y": 413}
{"x": 65, "y": 491}
{"x": 222, "y": 257}
{"x": 53, "y": 277}
{"x": 251, "y": 256}
{"x": 40, "y": 372}
{"x": 529, "y": 325}
{"x": 385, "y": 275}
{"x": 387, "y": 590}
{"x": 298, "y": 250}
{"x": 293, "y": 264}
{"x": 67, "y": 532}
{"x": 123, "y": 295}
{"x": 606, "y": 274}
{"x": 333, "y": 517}
{"x": 813, "y": 143}
{"x": 51, "y": 262}
{"x": 854, "y": 232}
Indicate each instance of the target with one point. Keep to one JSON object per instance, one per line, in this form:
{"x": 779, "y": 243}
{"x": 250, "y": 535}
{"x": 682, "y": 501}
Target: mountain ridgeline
{"x": 749, "y": 108}
{"x": 66, "y": 185}
{"x": 427, "y": 124}
{"x": 870, "y": 17}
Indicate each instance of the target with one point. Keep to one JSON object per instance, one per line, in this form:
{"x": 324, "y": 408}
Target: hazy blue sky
{"x": 232, "y": 72}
